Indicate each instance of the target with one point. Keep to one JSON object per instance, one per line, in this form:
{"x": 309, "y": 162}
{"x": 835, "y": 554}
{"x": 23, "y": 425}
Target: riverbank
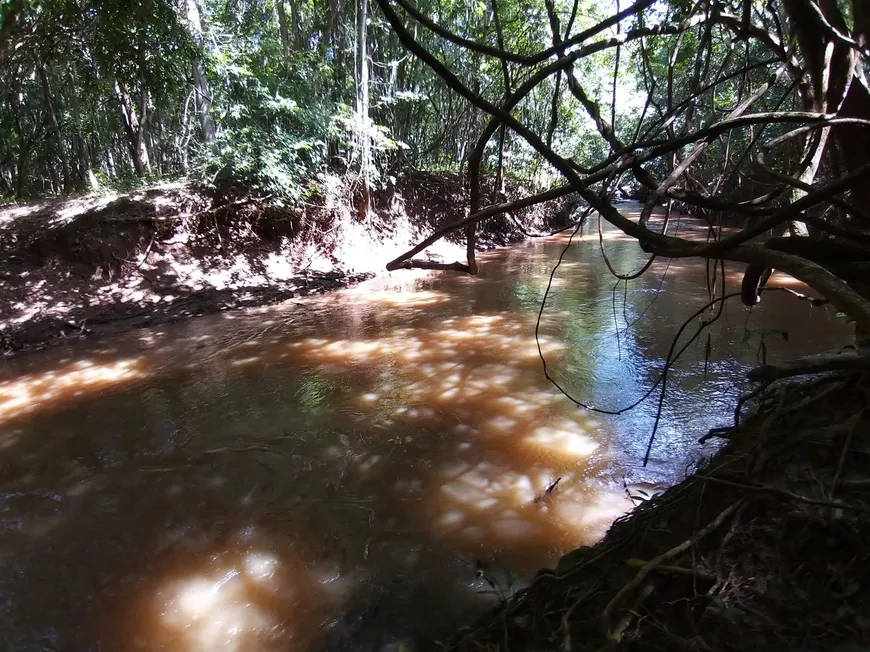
{"x": 97, "y": 265}
{"x": 763, "y": 548}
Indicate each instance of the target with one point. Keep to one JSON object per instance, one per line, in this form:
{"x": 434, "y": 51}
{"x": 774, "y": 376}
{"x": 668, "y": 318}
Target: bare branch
{"x": 479, "y": 216}
{"x": 812, "y": 365}
{"x": 526, "y": 60}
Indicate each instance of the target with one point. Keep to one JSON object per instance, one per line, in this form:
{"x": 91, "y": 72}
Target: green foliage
{"x": 282, "y": 95}
{"x": 280, "y": 82}
{"x": 346, "y": 130}
{"x": 262, "y": 142}
{"x": 140, "y": 44}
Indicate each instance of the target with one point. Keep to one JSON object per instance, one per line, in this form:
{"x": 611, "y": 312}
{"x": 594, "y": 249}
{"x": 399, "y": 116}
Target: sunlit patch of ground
{"x": 66, "y": 211}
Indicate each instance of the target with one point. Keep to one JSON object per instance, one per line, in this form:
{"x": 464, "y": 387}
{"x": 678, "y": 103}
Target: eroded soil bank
{"x": 104, "y": 264}
{"x": 764, "y": 548}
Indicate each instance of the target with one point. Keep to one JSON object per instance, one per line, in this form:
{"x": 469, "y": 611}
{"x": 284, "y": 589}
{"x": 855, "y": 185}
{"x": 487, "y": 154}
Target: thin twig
{"x": 810, "y": 365}
{"x": 853, "y": 426}
{"x": 784, "y": 493}
{"x": 147, "y": 250}
{"x": 627, "y": 617}
{"x": 660, "y": 560}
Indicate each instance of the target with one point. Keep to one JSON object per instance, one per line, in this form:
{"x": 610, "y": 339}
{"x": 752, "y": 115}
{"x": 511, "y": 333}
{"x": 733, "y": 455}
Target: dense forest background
{"x": 97, "y": 93}
{"x": 755, "y": 111}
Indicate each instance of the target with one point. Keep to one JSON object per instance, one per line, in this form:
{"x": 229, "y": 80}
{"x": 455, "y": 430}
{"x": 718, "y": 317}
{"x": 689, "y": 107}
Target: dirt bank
{"x": 95, "y": 265}
{"x": 764, "y": 548}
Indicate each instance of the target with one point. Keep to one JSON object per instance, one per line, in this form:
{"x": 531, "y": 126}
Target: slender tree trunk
{"x": 281, "y": 9}
{"x": 7, "y": 181}
{"x": 21, "y": 173}
{"x": 298, "y": 30}
{"x": 55, "y": 127}
{"x": 203, "y": 103}
{"x": 182, "y": 140}
{"x": 498, "y": 186}
{"x": 335, "y": 47}
{"x": 111, "y": 170}
{"x": 133, "y": 129}
{"x": 85, "y": 161}
{"x": 156, "y": 155}
{"x": 200, "y": 81}
{"x": 362, "y": 105}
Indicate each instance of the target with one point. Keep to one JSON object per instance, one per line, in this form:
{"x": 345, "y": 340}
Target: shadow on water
{"x": 335, "y": 475}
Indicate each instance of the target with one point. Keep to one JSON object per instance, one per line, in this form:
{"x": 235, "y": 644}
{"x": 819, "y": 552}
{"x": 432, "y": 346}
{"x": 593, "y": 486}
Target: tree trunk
{"x": 55, "y": 127}
{"x": 203, "y": 103}
{"x": 200, "y": 81}
{"x": 364, "y": 149}
{"x": 21, "y": 173}
{"x": 298, "y": 30}
{"x": 854, "y": 140}
{"x": 111, "y": 170}
{"x": 84, "y": 159}
{"x": 281, "y": 9}
{"x": 498, "y": 186}
{"x": 335, "y": 45}
{"x": 133, "y": 129}
{"x": 836, "y": 85}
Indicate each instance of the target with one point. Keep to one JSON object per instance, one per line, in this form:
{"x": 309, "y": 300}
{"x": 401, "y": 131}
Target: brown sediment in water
{"x": 333, "y": 475}
{"x": 764, "y": 548}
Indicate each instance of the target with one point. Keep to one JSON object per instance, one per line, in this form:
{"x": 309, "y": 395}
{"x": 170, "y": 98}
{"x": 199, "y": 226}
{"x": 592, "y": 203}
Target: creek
{"x": 365, "y": 470}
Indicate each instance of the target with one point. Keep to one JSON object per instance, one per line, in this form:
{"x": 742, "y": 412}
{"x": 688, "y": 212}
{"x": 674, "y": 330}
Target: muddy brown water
{"x": 336, "y": 473}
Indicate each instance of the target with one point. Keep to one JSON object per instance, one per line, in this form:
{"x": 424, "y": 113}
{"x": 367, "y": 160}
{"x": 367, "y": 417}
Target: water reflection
{"x": 333, "y": 474}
